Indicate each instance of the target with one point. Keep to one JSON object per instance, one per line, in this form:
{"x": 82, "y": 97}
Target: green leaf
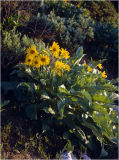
{"x": 110, "y": 87}
{"x": 89, "y": 123}
{"x": 102, "y": 121}
{"x": 100, "y": 108}
{"x": 62, "y": 89}
{"x": 60, "y": 105}
{"x": 101, "y": 98}
{"x": 114, "y": 96}
{"x": 84, "y": 104}
{"x": 88, "y": 96}
{"x": 79, "y": 52}
{"x": 45, "y": 96}
{"x": 43, "y": 82}
{"x": 78, "y": 60}
{"x": 81, "y": 135}
{"x": 114, "y": 81}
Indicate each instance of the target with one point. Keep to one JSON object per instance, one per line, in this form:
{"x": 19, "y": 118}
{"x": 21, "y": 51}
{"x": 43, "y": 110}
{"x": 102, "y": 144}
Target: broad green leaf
{"x": 110, "y": 87}
{"x": 79, "y": 52}
{"x": 60, "y": 105}
{"x": 43, "y": 82}
{"x": 81, "y": 135}
{"x": 45, "y": 96}
{"x": 84, "y": 104}
{"x": 88, "y": 96}
{"x": 100, "y": 108}
{"x": 89, "y": 123}
{"x": 101, "y": 98}
{"x": 101, "y": 120}
{"x": 78, "y": 60}
{"x": 114, "y": 96}
{"x": 63, "y": 89}
{"x": 114, "y": 81}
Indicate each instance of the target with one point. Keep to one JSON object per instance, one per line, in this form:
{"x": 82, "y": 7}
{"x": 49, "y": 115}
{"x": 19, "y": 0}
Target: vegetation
{"x": 59, "y": 79}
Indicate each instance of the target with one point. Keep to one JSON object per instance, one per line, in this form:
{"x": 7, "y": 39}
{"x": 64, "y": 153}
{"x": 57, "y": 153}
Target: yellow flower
{"x": 55, "y": 49}
{"x": 100, "y": 66}
{"x": 59, "y": 65}
{"x": 67, "y": 67}
{"x": 59, "y": 72}
{"x": 28, "y": 59}
{"x": 32, "y": 50}
{"x": 104, "y": 74}
{"x": 78, "y": 5}
{"x": 64, "y": 53}
{"x": 85, "y": 65}
{"x": 89, "y": 69}
{"x": 44, "y": 60}
{"x": 36, "y": 62}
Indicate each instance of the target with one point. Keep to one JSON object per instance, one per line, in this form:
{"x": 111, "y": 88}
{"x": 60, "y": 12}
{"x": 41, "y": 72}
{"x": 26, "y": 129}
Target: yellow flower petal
{"x": 28, "y": 59}
{"x": 59, "y": 72}
{"x": 59, "y": 65}
{"x": 64, "y": 53}
{"x": 36, "y": 62}
{"x": 55, "y": 49}
{"x": 89, "y": 69}
{"x": 104, "y": 74}
{"x": 44, "y": 60}
{"x": 67, "y": 67}
{"x": 32, "y": 50}
{"x": 100, "y": 66}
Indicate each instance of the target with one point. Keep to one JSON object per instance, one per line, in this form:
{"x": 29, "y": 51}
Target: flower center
{"x": 29, "y": 60}
{"x": 43, "y": 59}
{"x": 54, "y": 49}
{"x": 32, "y": 51}
{"x": 36, "y": 62}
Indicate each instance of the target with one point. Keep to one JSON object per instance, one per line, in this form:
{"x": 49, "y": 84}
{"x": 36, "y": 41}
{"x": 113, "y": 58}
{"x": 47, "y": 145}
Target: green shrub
{"x": 69, "y": 31}
{"x": 13, "y": 46}
{"x": 74, "y": 106}
{"x": 103, "y": 11}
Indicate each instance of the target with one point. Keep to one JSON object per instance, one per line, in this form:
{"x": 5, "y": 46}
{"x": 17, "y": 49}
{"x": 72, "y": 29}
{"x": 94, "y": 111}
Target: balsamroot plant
{"x": 71, "y": 100}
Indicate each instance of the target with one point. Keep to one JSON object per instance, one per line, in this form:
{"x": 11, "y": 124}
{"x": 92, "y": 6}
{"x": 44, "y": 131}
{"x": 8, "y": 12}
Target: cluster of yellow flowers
{"x": 33, "y": 58}
{"x": 59, "y": 53}
{"x": 55, "y": 55}
{"x": 90, "y": 69}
